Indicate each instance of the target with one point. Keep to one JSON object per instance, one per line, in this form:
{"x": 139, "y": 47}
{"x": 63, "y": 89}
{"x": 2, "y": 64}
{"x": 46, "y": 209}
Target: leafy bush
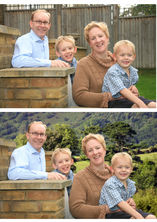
{"x": 147, "y": 200}
{"x": 145, "y": 175}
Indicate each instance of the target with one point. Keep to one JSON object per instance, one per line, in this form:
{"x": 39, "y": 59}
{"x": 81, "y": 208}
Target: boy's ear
{"x": 114, "y": 56}
{"x": 57, "y": 53}
{"x": 54, "y": 166}
{"x": 72, "y": 161}
{"x": 75, "y": 49}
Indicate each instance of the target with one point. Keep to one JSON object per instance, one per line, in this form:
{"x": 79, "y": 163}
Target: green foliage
{"x": 62, "y": 136}
{"x": 145, "y": 175}
{"x": 147, "y": 200}
{"x": 20, "y": 140}
{"x": 140, "y": 10}
{"x": 120, "y": 133}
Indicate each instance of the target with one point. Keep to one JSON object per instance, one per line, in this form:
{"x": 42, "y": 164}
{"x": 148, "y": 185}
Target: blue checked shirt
{"x": 27, "y": 163}
{"x": 117, "y": 79}
{"x": 69, "y": 177}
{"x": 113, "y": 192}
{"x": 31, "y": 51}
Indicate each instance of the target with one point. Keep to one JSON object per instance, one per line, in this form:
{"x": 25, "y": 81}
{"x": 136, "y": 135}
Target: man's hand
{"x": 134, "y": 90}
{"x": 59, "y": 63}
{"x": 56, "y": 176}
{"x": 132, "y": 203}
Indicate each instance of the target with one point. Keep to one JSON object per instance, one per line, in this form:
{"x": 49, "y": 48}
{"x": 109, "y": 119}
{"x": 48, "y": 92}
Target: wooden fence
{"x": 72, "y": 20}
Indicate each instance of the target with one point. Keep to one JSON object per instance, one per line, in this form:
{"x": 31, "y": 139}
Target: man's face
{"x": 40, "y": 24}
{"x": 36, "y": 136}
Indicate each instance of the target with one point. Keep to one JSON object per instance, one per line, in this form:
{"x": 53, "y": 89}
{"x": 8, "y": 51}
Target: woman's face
{"x": 95, "y": 152}
{"x": 98, "y": 41}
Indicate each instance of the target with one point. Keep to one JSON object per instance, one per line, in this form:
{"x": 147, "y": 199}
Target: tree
{"x": 120, "y": 133}
{"x": 140, "y": 9}
{"x": 62, "y": 136}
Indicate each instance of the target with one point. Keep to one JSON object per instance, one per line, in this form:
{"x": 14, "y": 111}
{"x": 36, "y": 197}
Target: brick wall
{"x": 32, "y": 199}
{"x": 34, "y": 87}
{"x": 5, "y": 148}
{"x": 8, "y": 36}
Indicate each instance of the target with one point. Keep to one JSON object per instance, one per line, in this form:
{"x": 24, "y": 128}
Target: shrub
{"x": 147, "y": 200}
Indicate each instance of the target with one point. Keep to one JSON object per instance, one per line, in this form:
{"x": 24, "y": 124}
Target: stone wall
{"x": 34, "y": 87}
{"x": 32, "y": 199}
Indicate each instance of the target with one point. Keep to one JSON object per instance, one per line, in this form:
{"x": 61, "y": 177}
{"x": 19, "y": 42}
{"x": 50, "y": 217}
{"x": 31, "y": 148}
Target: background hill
{"x": 144, "y": 123}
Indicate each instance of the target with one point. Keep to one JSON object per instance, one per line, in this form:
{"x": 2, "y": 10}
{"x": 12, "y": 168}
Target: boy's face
{"x": 66, "y": 51}
{"x": 63, "y": 163}
{"x": 125, "y": 56}
{"x": 122, "y": 168}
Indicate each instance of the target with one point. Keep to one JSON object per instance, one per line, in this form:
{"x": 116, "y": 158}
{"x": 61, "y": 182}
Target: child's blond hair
{"x": 120, "y": 155}
{"x": 123, "y": 42}
{"x": 60, "y": 150}
{"x": 62, "y": 38}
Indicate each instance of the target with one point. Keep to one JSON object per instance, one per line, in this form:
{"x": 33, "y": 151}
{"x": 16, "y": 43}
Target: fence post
{"x": 2, "y": 8}
{"x": 115, "y": 23}
{"x": 59, "y": 18}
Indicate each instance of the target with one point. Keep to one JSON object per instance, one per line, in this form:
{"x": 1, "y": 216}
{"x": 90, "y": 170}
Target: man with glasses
{"x": 32, "y": 49}
{"x": 28, "y": 162}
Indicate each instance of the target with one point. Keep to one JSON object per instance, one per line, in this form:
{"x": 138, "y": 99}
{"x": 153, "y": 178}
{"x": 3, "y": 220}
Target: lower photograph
{"x": 78, "y": 165}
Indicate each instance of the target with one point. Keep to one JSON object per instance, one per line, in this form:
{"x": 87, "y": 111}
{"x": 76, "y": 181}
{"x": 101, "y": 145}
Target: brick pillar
{"x": 34, "y": 87}
{"x": 6, "y": 146}
{"x": 32, "y": 199}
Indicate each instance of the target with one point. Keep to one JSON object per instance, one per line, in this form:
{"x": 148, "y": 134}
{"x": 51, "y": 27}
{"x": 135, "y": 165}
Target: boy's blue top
{"x": 69, "y": 177}
{"x": 117, "y": 79}
{"x": 72, "y": 64}
{"x": 27, "y": 164}
{"x": 31, "y": 51}
{"x": 114, "y": 191}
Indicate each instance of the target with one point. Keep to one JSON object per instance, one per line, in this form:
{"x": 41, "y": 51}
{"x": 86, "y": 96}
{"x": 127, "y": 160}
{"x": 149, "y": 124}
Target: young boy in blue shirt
{"x": 62, "y": 162}
{"x": 118, "y": 189}
{"x": 65, "y": 50}
{"x": 122, "y": 76}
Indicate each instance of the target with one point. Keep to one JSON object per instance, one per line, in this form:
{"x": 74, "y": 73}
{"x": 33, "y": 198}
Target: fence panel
{"x": 142, "y": 32}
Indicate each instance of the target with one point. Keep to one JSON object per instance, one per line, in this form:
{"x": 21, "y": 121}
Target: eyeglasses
{"x": 37, "y": 134}
{"x": 40, "y": 22}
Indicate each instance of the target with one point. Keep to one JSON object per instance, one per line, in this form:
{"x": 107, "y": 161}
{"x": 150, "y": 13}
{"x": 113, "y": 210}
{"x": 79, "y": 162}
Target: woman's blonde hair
{"x": 120, "y": 155}
{"x": 62, "y": 38}
{"x": 122, "y": 43}
{"x": 60, "y": 150}
{"x": 100, "y": 25}
{"x": 90, "y": 136}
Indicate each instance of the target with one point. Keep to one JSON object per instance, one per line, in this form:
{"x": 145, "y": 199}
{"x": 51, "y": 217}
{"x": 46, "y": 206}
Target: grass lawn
{"x": 150, "y": 157}
{"x": 147, "y": 83}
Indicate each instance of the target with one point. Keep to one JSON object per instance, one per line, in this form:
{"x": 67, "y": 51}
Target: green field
{"x": 149, "y": 156}
{"x": 147, "y": 83}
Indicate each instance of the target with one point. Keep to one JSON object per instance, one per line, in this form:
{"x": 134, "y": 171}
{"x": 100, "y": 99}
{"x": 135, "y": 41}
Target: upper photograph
{"x": 78, "y": 56}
